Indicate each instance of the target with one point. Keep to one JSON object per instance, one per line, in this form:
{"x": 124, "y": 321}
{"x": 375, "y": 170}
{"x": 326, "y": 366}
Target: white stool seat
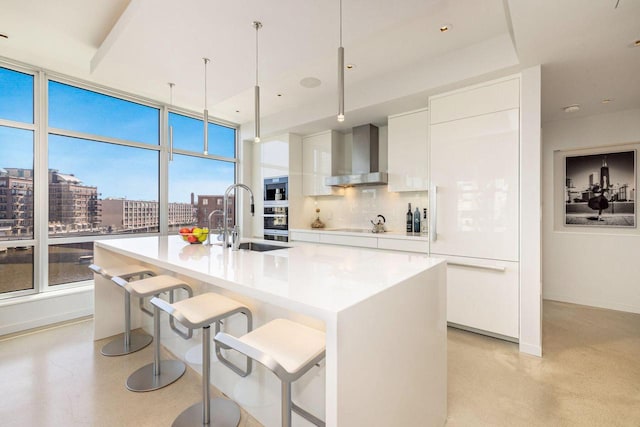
{"x": 123, "y": 271}
{"x": 150, "y": 286}
{"x": 128, "y": 342}
{"x": 289, "y": 350}
{"x": 160, "y": 373}
{"x": 203, "y": 309}
{"x": 291, "y": 344}
{"x": 200, "y": 312}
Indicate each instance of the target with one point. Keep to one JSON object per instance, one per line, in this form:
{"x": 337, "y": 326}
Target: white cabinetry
{"x": 474, "y": 199}
{"x": 278, "y": 155}
{"x": 408, "y": 152}
{"x": 495, "y": 307}
{"x": 318, "y": 151}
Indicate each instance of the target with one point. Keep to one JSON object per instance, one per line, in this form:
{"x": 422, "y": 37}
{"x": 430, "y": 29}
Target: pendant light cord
{"x": 257, "y": 25}
{"x": 340, "y": 23}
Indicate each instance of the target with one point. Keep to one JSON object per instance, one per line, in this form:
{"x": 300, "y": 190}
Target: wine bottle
{"x": 416, "y": 221}
{"x": 409, "y": 220}
{"x": 424, "y": 225}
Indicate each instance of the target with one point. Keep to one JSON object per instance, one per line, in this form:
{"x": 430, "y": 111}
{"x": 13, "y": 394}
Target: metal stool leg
{"x": 160, "y": 373}
{"x": 216, "y": 412}
{"x": 128, "y": 343}
{"x": 286, "y": 404}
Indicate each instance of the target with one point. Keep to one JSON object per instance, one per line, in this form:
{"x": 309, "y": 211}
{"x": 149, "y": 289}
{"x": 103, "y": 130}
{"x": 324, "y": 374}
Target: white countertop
{"x": 366, "y": 233}
{"x": 316, "y": 279}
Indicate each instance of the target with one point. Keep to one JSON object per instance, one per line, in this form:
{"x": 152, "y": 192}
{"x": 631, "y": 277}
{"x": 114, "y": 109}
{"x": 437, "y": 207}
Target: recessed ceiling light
{"x": 446, "y": 27}
{"x": 607, "y": 100}
{"x": 237, "y": 111}
{"x": 636, "y": 43}
{"x": 3, "y": 36}
{"x": 310, "y": 82}
{"x": 279, "y": 94}
{"x": 571, "y": 108}
{"x": 351, "y": 66}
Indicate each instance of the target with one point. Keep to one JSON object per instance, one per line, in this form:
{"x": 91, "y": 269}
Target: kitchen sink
{"x": 260, "y": 247}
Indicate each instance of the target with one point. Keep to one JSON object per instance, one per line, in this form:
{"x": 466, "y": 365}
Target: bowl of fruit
{"x": 194, "y": 235}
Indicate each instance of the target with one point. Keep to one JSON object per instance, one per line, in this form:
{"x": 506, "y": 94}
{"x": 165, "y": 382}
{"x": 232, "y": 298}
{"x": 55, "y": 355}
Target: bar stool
{"x": 126, "y": 342}
{"x": 200, "y": 312}
{"x": 286, "y": 348}
{"x": 160, "y": 373}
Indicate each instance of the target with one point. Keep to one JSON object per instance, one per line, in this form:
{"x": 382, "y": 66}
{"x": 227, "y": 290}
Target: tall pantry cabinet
{"x": 474, "y": 200}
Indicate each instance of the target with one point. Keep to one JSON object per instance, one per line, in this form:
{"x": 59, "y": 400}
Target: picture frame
{"x": 600, "y": 189}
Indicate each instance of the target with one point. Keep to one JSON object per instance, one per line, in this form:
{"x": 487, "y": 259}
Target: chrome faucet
{"x": 225, "y": 208}
{"x": 214, "y": 212}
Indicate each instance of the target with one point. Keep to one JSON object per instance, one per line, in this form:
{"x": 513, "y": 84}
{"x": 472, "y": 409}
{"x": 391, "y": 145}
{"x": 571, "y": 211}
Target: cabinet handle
{"x": 434, "y": 215}
{"x": 482, "y": 267}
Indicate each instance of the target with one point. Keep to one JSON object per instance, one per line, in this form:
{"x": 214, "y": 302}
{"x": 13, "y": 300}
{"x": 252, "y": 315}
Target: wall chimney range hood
{"x": 364, "y": 160}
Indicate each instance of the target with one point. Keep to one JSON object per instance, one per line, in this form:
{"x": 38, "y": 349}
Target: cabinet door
{"x": 274, "y": 156}
{"x": 317, "y": 151}
{"x": 408, "y": 153}
{"x": 474, "y": 178}
{"x": 483, "y": 295}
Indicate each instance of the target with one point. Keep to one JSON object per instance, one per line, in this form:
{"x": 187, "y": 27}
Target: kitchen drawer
{"x": 361, "y": 241}
{"x": 403, "y": 245}
{"x": 302, "y": 236}
{"x": 483, "y": 295}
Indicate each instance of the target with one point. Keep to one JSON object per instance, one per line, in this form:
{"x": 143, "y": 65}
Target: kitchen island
{"x": 384, "y": 315}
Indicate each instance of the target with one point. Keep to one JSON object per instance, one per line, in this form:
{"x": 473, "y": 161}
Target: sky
{"x": 117, "y": 170}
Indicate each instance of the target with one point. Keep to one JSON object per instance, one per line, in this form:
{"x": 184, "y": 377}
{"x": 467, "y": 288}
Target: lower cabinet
{"x": 304, "y": 236}
{"x": 483, "y": 295}
{"x": 338, "y": 239}
{"x": 404, "y": 245}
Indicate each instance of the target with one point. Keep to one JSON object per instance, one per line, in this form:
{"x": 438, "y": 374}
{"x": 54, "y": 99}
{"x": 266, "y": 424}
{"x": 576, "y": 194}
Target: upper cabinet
{"x": 500, "y": 95}
{"x": 408, "y": 151}
{"x": 318, "y": 163}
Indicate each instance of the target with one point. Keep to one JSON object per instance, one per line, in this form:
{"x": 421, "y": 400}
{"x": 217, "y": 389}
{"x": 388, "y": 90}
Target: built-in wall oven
{"x": 276, "y": 209}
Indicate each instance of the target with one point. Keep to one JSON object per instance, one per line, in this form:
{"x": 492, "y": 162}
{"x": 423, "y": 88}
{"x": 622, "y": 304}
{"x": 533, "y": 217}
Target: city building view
{"x": 76, "y": 208}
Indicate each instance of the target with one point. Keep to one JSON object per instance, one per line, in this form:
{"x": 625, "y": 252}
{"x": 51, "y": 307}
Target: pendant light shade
{"x": 257, "y": 25}
{"x": 206, "y": 112}
{"x": 341, "y": 73}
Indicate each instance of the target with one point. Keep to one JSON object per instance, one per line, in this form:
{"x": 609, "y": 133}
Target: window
{"x": 75, "y": 109}
{"x": 16, "y": 96}
{"x": 102, "y": 177}
{"x": 198, "y": 182}
{"x": 188, "y": 134}
{"x": 96, "y": 187}
{"x": 16, "y": 181}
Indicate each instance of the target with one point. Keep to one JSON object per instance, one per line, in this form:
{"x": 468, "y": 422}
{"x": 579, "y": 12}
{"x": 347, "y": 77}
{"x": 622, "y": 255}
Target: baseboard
{"x": 45, "y": 309}
{"x": 592, "y": 303}
{"x": 534, "y": 350}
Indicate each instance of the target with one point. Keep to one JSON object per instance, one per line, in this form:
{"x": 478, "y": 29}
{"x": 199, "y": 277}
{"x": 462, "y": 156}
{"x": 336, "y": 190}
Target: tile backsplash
{"x": 359, "y": 205}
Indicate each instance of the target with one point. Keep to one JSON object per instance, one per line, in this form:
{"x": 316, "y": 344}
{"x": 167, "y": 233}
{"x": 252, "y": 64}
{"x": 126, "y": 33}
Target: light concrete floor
{"x": 589, "y": 376}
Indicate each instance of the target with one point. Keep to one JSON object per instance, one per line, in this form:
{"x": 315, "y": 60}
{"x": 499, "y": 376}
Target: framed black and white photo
{"x": 600, "y": 189}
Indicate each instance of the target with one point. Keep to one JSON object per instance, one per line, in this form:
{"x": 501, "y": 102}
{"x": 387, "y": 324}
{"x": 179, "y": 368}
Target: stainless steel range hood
{"x": 364, "y": 160}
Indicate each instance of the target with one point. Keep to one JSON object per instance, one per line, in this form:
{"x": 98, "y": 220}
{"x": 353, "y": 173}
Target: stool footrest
{"x": 307, "y": 415}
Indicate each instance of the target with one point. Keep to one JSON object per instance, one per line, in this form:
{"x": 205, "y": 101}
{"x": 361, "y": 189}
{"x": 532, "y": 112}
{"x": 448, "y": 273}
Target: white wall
{"x": 359, "y": 205}
{"x": 597, "y": 267}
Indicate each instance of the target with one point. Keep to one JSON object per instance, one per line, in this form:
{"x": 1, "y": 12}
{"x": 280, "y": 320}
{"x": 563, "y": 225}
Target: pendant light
{"x": 171, "y": 85}
{"x": 341, "y": 73}
{"x": 206, "y": 112}
{"x": 257, "y": 25}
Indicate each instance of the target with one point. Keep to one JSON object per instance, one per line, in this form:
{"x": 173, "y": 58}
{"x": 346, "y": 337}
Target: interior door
{"x": 474, "y": 186}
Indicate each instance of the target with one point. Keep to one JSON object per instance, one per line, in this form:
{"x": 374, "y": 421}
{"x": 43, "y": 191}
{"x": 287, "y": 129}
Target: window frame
{"x": 41, "y": 130}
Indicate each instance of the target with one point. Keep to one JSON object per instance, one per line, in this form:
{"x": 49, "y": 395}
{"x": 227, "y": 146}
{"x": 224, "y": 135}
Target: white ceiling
{"x": 401, "y": 57}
